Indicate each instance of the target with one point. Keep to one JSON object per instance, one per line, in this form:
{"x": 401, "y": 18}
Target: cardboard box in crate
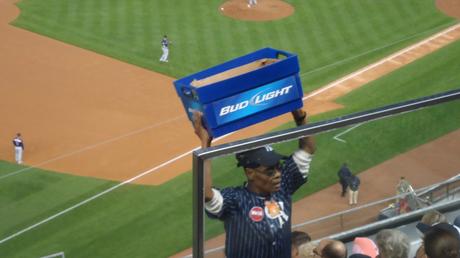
{"x": 243, "y": 91}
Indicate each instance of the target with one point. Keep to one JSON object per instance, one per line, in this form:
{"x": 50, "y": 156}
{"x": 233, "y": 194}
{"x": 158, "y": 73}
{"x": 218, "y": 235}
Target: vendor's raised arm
{"x": 205, "y": 140}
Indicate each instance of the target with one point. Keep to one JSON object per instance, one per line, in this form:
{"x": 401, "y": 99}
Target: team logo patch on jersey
{"x": 272, "y": 209}
{"x": 275, "y": 210}
{"x": 256, "y": 214}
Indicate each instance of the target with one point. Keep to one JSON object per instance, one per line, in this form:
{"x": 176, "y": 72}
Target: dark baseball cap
{"x": 264, "y": 156}
{"x": 457, "y": 221}
{"x": 454, "y": 230}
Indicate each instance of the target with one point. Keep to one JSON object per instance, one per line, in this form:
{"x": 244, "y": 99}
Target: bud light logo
{"x": 263, "y": 97}
{"x": 256, "y": 100}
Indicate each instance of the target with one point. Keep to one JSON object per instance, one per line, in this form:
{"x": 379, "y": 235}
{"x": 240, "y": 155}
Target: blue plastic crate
{"x": 268, "y": 87}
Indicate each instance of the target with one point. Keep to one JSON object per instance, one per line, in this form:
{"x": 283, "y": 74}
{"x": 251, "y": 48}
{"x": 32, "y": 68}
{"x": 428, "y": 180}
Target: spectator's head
{"x": 433, "y": 217}
{"x": 298, "y": 238}
{"x": 329, "y": 248}
{"x": 442, "y": 241}
{"x": 392, "y": 243}
{"x": 365, "y": 246}
{"x": 262, "y": 168}
{"x": 429, "y": 219}
{"x": 307, "y": 250}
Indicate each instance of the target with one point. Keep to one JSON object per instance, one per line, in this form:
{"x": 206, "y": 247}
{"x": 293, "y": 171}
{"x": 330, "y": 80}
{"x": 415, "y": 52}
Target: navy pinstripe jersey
{"x": 164, "y": 42}
{"x": 260, "y": 226}
{"x": 17, "y": 142}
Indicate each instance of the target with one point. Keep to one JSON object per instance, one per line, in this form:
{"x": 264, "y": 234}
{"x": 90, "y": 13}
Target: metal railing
{"x": 366, "y": 215}
{"x": 201, "y": 155}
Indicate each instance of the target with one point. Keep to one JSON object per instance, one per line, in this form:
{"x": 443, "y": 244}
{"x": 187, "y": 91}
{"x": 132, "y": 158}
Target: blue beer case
{"x": 243, "y": 91}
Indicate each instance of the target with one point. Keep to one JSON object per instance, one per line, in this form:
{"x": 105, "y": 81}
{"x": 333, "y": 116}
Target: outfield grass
{"x": 320, "y": 32}
{"x": 149, "y": 221}
{"x": 155, "y": 221}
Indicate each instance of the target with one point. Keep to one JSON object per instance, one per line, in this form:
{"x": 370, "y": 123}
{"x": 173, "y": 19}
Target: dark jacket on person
{"x": 353, "y": 183}
{"x": 344, "y": 173}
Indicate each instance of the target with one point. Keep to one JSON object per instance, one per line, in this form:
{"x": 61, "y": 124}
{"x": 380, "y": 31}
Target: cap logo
{"x": 256, "y": 214}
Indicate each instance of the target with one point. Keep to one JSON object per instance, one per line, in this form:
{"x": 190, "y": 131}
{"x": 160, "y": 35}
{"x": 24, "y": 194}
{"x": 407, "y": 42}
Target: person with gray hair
{"x": 392, "y": 243}
{"x": 330, "y": 248}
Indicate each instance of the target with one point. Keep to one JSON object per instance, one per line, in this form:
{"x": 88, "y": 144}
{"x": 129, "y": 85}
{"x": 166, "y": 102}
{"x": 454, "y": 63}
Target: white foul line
{"x": 367, "y": 52}
{"x": 367, "y": 68}
{"x": 94, "y": 197}
{"x": 90, "y": 147}
{"x": 344, "y": 132}
{"x": 163, "y": 164}
{"x": 104, "y": 192}
{"x": 60, "y": 254}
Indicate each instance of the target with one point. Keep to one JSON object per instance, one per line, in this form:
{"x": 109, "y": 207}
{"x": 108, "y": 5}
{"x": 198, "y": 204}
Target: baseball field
{"x": 108, "y": 146}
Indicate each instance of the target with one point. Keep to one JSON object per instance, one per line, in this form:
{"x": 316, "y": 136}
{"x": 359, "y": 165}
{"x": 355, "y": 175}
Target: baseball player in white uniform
{"x": 252, "y": 3}
{"x": 18, "y": 148}
{"x": 165, "y": 49}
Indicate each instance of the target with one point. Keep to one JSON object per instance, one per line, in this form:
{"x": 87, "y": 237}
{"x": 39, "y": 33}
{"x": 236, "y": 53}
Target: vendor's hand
{"x": 300, "y": 116}
{"x": 200, "y": 130}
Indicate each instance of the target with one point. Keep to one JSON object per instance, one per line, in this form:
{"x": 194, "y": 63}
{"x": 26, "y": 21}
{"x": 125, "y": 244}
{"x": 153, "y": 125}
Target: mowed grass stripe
{"x": 330, "y": 40}
{"x": 368, "y": 27}
{"x": 326, "y": 38}
{"x": 117, "y": 19}
{"x": 147, "y": 31}
{"x": 49, "y": 192}
{"x": 212, "y": 42}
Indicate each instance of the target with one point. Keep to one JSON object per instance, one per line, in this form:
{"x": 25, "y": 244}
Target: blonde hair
{"x": 306, "y": 250}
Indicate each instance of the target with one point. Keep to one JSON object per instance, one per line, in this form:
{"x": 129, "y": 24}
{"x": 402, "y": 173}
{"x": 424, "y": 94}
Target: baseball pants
{"x": 18, "y": 154}
{"x": 164, "y": 57}
{"x": 353, "y": 197}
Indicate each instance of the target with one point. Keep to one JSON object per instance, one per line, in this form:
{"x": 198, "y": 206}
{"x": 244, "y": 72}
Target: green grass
{"x": 332, "y": 38}
{"x": 149, "y": 221}
{"x": 32, "y": 194}
{"x": 320, "y": 32}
